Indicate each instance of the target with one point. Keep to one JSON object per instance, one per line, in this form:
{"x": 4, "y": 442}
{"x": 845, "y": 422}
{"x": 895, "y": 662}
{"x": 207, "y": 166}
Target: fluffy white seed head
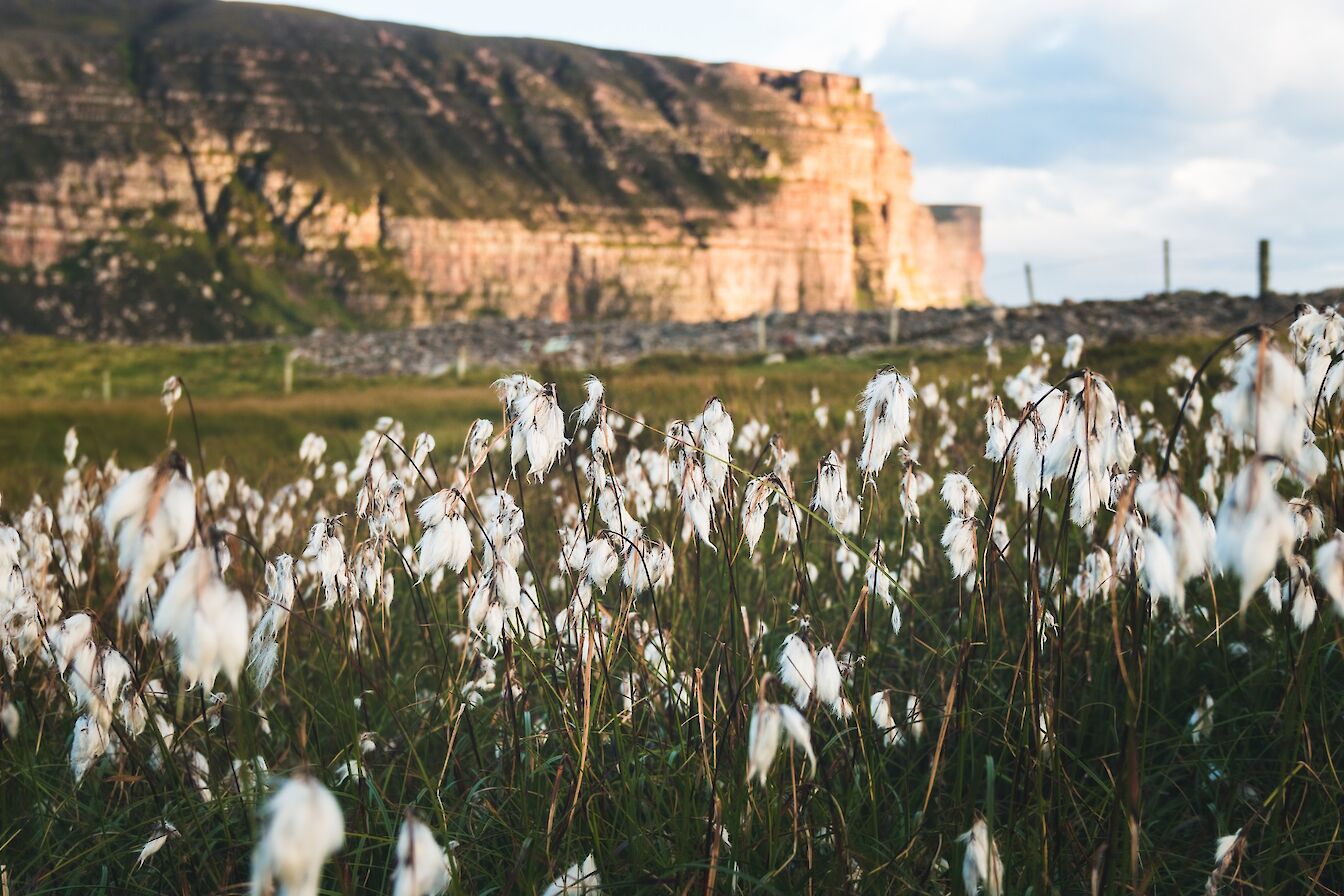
{"x": 304, "y": 827}
{"x": 797, "y": 666}
{"x": 423, "y": 867}
{"x": 981, "y": 869}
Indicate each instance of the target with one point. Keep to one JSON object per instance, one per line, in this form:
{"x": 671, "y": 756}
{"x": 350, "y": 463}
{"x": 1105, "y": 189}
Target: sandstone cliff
{"x": 197, "y": 168}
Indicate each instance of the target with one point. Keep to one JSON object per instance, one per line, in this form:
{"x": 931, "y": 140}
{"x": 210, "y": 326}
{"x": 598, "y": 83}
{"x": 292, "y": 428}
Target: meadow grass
{"x": 51, "y": 385}
{"x": 1119, "y": 796}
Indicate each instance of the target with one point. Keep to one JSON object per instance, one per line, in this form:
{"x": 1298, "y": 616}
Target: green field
{"x": 244, "y": 417}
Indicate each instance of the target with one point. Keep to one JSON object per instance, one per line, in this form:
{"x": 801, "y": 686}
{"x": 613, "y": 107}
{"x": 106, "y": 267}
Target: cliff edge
{"x": 200, "y": 169}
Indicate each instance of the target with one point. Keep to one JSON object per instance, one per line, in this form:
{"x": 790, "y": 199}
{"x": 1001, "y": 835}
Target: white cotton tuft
{"x": 162, "y": 832}
{"x": 579, "y": 879}
{"x": 423, "y": 867}
{"x": 829, "y": 683}
{"x": 797, "y": 668}
{"x": 152, "y": 515}
{"x": 712, "y": 433}
{"x": 1073, "y": 352}
{"x": 982, "y": 869}
{"x": 594, "y": 392}
{"x": 328, "y": 556}
{"x": 959, "y": 542}
{"x": 445, "y": 540}
{"x": 1255, "y": 528}
{"x": 959, "y": 494}
{"x": 1329, "y": 569}
{"x": 647, "y": 566}
{"x": 1158, "y": 571}
{"x": 601, "y": 561}
{"x": 304, "y": 827}
{"x": 1265, "y": 401}
{"x": 832, "y": 491}
{"x": 756, "y": 500}
{"x": 697, "y": 500}
{"x": 770, "y": 722}
{"x": 207, "y": 620}
{"x": 89, "y": 743}
{"x": 477, "y": 444}
{"x": 885, "y": 405}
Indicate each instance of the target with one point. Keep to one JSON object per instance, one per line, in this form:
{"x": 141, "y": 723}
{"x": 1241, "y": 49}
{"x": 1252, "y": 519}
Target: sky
{"x": 1089, "y": 131}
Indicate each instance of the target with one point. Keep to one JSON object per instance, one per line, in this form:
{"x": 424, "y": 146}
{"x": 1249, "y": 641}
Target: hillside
{"x": 201, "y": 169}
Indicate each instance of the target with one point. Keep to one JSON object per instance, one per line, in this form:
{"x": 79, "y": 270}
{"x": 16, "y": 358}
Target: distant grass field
{"x": 50, "y": 385}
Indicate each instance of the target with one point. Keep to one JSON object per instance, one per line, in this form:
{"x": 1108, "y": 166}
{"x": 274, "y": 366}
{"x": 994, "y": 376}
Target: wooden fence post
{"x": 1166, "y": 267}
{"x": 1264, "y": 269}
{"x": 289, "y": 372}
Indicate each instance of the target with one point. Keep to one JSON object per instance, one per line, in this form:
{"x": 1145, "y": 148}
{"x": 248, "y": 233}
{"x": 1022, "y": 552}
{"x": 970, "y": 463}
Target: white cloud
{"x": 1218, "y": 181}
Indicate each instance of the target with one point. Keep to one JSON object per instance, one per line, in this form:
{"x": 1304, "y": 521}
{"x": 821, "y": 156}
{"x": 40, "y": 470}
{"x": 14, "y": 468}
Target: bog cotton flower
{"x": 537, "y": 427}
{"x": 1225, "y": 851}
{"x": 959, "y": 542}
{"x": 1255, "y": 528}
{"x": 1298, "y": 593}
{"x": 206, "y": 619}
{"x": 544, "y": 433}
{"x": 769, "y": 723}
{"x": 477, "y": 444}
{"x": 1179, "y": 545}
{"x": 328, "y": 556}
{"x": 997, "y": 431}
{"x": 594, "y": 392}
{"x": 579, "y": 879}
{"x": 712, "y": 432}
{"x": 1073, "y": 351}
{"x": 697, "y": 500}
{"x": 1201, "y": 720}
{"x": 886, "y": 418}
{"x": 756, "y": 500}
{"x": 829, "y": 683}
{"x": 89, "y": 743}
{"x": 163, "y": 831}
{"x": 960, "y": 495}
{"x": 1329, "y": 569}
{"x": 896, "y": 733}
{"x": 170, "y": 394}
{"x": 71, "y": 447}
{"x": 797, "y": 667}
{"x": 832, "y": 491}
{"x": 152, "y": 515}
{"x": 497, "y": 594}
{"x": 264, "y": 650}
{"x": 1028, "y": 456}
{"x": 304, "y": 827}
{"x": 445, "y": 540}
{"x": 647, "y": 565}
{"x": 423, "y": 867}
{"x": 1265, "y": 401}
{"x": 982, "y": 869}
{"x": 601, "y": 560}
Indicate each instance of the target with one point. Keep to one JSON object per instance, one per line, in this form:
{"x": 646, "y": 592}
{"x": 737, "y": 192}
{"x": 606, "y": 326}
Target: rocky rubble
{"x": 501, "y": 342}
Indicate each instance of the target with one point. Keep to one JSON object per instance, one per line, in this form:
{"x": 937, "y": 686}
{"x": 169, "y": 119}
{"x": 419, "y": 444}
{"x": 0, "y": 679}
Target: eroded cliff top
{"x": 438, "y": 123}
{"x": 201, "y": 169}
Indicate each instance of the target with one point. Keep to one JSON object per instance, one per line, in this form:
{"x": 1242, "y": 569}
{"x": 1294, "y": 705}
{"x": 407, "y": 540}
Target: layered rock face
{"x": 282, "y": 168}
